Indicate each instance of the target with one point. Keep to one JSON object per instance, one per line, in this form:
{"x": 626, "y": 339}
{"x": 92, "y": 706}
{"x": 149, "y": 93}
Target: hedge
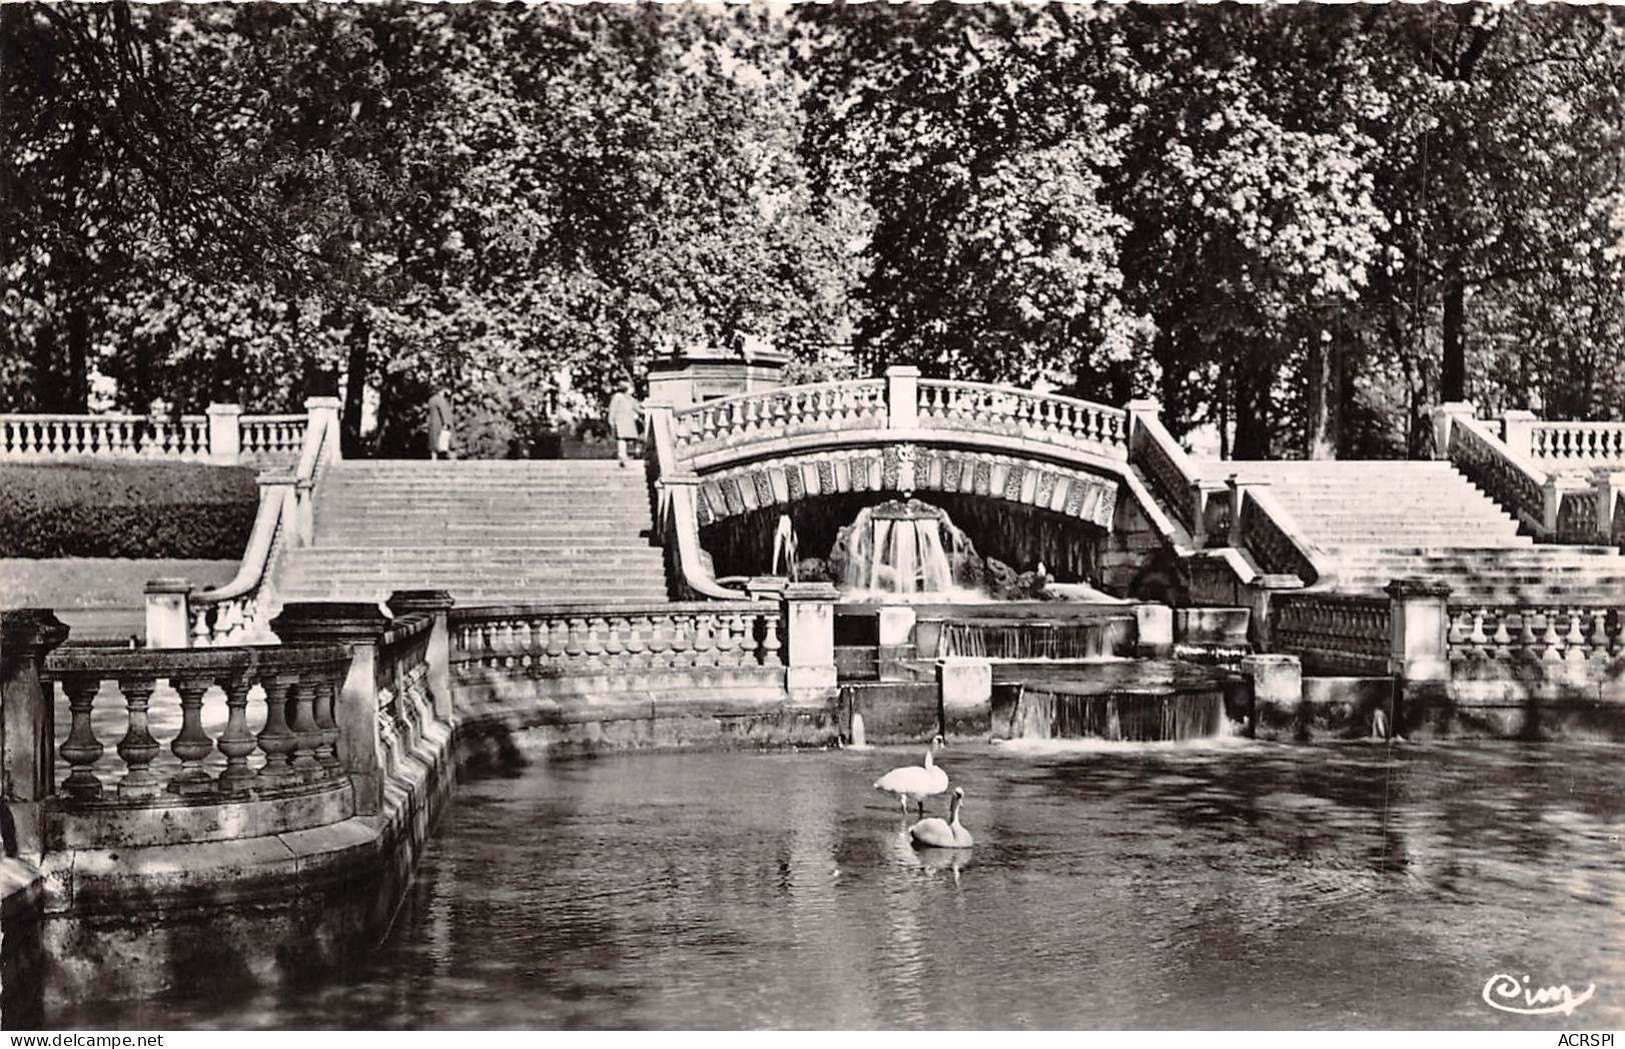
{"x": 126, "y": 509}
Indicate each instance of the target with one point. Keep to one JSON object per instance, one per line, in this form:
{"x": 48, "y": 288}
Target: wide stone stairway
{"x": 489, "y": 532}
{"x": 1379, "y": 521}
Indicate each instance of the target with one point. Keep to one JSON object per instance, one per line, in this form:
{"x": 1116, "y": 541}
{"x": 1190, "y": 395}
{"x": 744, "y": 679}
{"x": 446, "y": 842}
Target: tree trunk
{"x": 1453, "y": 375}
{"x": 1325, "y": 397}
{"x": 76, "y": 377}
{"x": 355, "y": 386}
{"x": 1253, "y": 416}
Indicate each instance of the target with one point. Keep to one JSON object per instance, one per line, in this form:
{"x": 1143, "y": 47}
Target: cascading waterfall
{"x": 1018, "y": 639}
{"x": 1120, "y": 715}
{"x": 897, "y": 548}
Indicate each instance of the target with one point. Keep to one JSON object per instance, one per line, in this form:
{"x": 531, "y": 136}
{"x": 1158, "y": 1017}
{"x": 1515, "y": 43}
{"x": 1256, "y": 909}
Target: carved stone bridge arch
{"x": 1056, "y": 457}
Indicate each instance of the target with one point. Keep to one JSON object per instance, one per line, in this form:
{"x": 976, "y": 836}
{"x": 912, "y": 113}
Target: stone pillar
{"x": 1258, "y": 604}
{"x": 1421, "y": 623}
{"x": 439, "y": 603}
{"x": 169, "y": 619}
{"x": 1155, "y": 631}
{"x": 1277, "y": 684}
{"x": 1609, "y": 489}
{"x": 1138, "y": 411}
{"x": 358, "y": 626}
{"x": 902, "y": 397}
{"x": 809, "y": 640}
{"x": 1444, "y": 417}
{"x": 1241, "y": 488}
{"x": 27, "y": 722}
{"x": 965, "y": 691}
{"x": 325, "y": 410}
{"x": 1518, "y": 431}
{"x": 225, "y": 434}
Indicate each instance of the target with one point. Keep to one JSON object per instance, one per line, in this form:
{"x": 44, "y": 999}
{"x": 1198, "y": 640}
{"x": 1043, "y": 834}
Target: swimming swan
{"x": 936, "y": 834}
{"x": 915, "y": 782}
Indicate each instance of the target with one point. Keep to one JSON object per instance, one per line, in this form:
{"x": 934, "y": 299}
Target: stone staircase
{"x": 490, "y": 533}
{"x": 1378, "y": 521}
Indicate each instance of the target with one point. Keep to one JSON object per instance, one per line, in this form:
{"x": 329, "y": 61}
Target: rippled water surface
{"x": 1233, "y": 884}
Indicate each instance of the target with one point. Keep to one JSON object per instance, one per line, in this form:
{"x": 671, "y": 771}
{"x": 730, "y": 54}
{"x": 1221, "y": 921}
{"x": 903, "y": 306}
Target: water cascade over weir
{"x": 1123, "y": 715}
{"x": 1025, "y": 639}
{"x": 897, "y": 548}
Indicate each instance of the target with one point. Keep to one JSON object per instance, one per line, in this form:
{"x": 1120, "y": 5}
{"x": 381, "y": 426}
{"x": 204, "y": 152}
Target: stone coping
{"x": 109, "y": 663}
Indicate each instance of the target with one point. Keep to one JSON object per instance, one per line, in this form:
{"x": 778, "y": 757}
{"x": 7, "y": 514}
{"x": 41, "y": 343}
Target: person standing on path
{"x": 624, "y": 417}
{"x": 441, "y": 426}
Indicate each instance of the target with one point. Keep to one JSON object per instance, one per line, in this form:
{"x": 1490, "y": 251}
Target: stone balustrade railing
{"x": 272, "y": 439}
{"x": 1505, "y": 476}
{"x": 180, "y": 617}
{"x": 42, "y": 438}
{"x": 222, "y": 436}
{"x": 1572, "y": 635}
{"x": 294, "y": 747}
{"x": 106, "y": 747}
{"x": 1559, "y": 446}
{"x": 1045, "y": 418}
{"x": 560, "y": 640}
{"x": 1266, "y": 530}
{"x": 1342, "y": 633}
{"x": 815, "y": 408}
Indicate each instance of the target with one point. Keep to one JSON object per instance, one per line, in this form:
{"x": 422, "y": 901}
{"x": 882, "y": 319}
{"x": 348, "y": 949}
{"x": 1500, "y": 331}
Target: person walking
{"x": 441, "y": 426}
{"x": 624, "y": 417}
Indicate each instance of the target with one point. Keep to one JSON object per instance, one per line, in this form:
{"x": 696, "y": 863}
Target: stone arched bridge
{"x": 901, "y": 435}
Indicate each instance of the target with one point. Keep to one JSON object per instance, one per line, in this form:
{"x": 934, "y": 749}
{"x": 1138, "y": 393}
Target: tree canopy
{"x": 1300, "y": 226}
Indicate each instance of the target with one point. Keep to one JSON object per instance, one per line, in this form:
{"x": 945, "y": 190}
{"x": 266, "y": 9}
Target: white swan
{"x": 935, "y": 833}
{"x": 915, "y": 782}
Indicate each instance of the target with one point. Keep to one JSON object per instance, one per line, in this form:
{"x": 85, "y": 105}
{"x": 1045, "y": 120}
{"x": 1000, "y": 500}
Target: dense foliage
{"x": 1300, "y": 226}
{"x": 126, "y": 509}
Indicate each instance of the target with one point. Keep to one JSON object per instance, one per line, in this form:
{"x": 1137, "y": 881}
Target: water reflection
{"x": 1229, "y": 885}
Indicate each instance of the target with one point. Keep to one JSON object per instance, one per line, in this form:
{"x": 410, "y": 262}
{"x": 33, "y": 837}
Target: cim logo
{"x": 1511, "y": 995}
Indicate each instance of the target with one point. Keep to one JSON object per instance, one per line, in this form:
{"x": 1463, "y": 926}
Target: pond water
{"x": 1224, "y": 884}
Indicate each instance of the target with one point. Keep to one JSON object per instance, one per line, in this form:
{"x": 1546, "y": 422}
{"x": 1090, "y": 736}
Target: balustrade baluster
{"x": 1503, "y": 650}
{"x": 682, "y": 640}
{"x": 81, "y": 750}
{"x": 573, "y": 644}
{"x": 138, "y": 749}
{"x": 235, "y": 742}
{"x": 615, "y": 641}
{"x": 1597, "y": 641}
{"x": 725, "y": 644}
{"x": 705, "y": 646}
{"x": 1528, "y": 640}
{"x": 1477, "y": 638}
{"x": 192, "y": 744}
{"x": 592, "y": 647}
{"x": 1574, "y": 639}
{"x": 558, "y": 639}
{"x": 660, "y": 641}
{"x": 1549, "y": 638}
{"x": 276, "y": 740}
{"x": 306, "y": 734}
{"x": 772, "y": 647}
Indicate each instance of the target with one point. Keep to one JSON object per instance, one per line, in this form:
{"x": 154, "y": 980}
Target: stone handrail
{"x": 1167, "y": 467}
{"x": 1582, "y": 635}
{"x": 1346, "y": 633}
{"x": 675, "y": 513}
{"x": 1507, "y": 477}
{"x": 561, "y": 640}
{"x": 54, "y": 436}
{"x": 272, "y": 439}
{"x": 297, "y": 739}
{"x": 1577, "y": 444}
{"x": 1046, "y": 418}
{"x": 1268, "y": 531}
{"x": 814, "y": 408}
{"x": 235, "y": 612}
